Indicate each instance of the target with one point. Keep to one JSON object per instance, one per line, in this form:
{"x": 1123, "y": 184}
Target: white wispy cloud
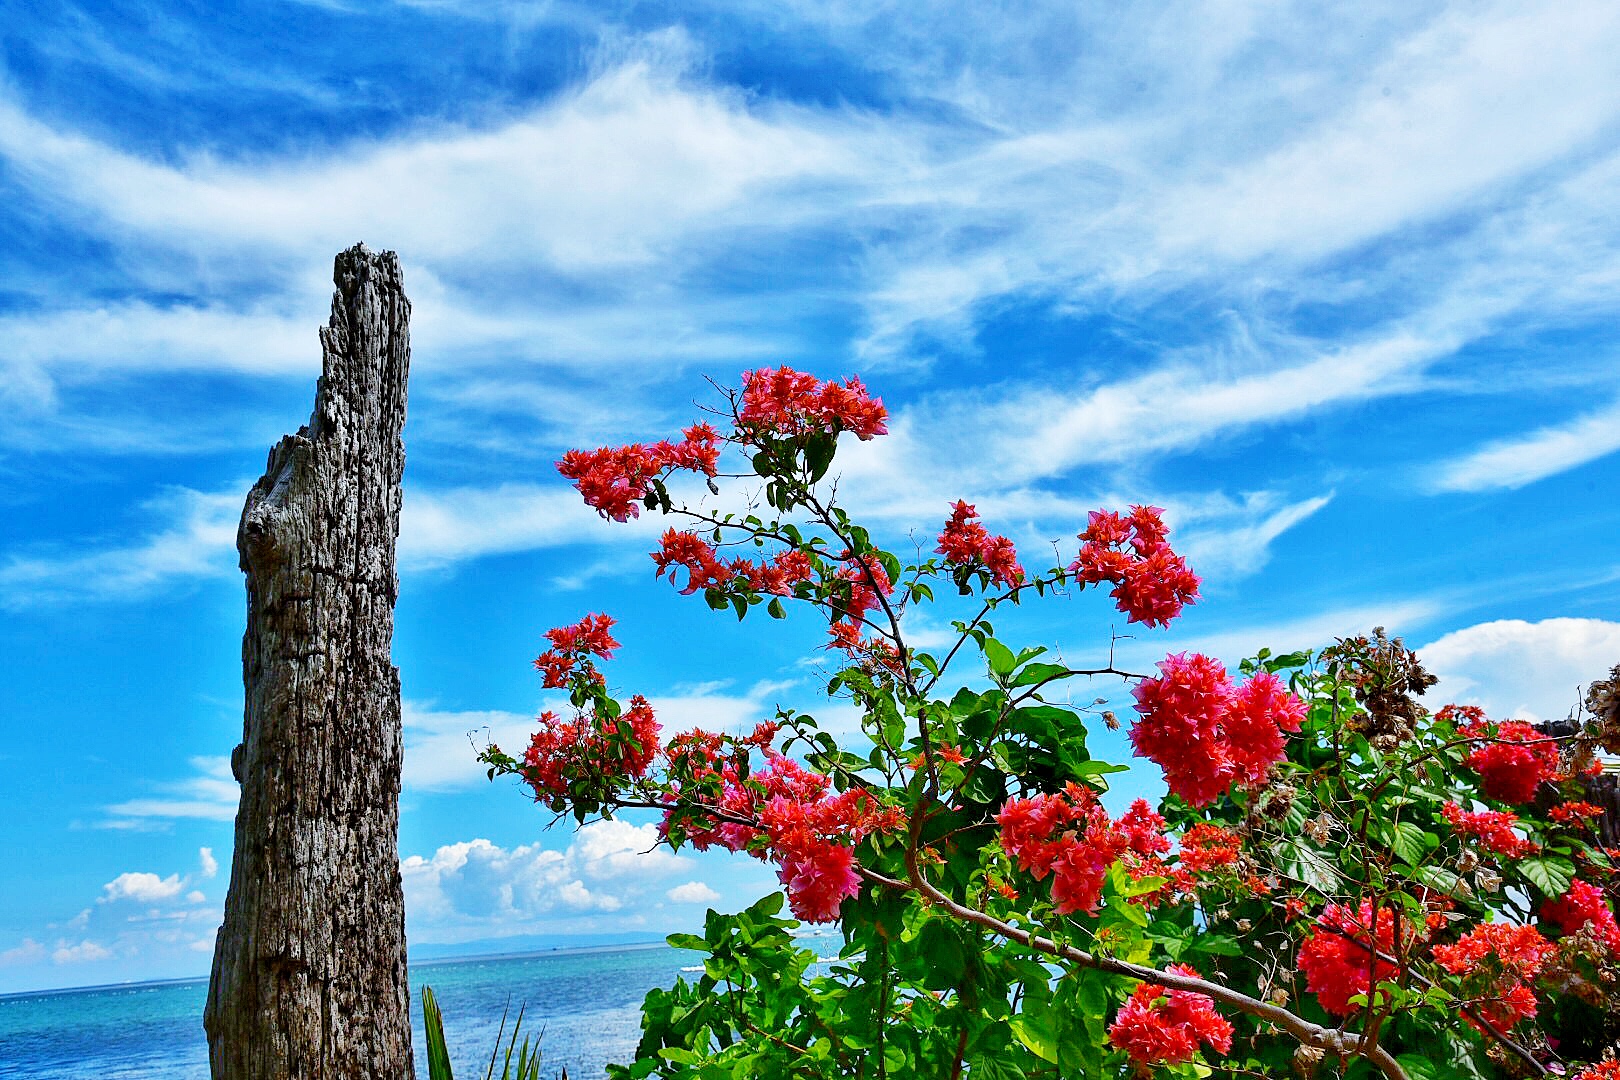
{"x": 645, "y": 159}
{"x": 27, "y": 951}
{"x": 109, "y": 340}
{"x": 1038, "y": 431}
{"x": 1477, "y": 98}
{"x": 441, "y": 747}
{"x": 1132, "y": 181}
{"x": 140, "y": 916}
{"x": 1515, "y": 462}
{"x": 210, "y": 794}
{"x": 1238, "y": 543}
{"x": 194, "y": 533}
{"x": 445, "y": 526}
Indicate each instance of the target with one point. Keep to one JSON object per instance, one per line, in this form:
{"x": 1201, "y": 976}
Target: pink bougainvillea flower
{"x": 1492, "y": 828}
{"x": 1207, "y": 734}
{"x": 616, "y": 480}
{"x": 1070, "y": 838}
{"x": 1156, "y": 1027}
{"x": 1144, "y": 828}
{"x": 1569, "y": 813}
{"x": 1513, "y": 760}
{"x": 561, "y": 752}
{"x": 1335, "y": 957}
{"x": 1582, "y": 906}
{"x": 1207, "y": 846}
{"x": 965, "y": 542}
{"x": 1258, "y": 713}
{"x": 1498, "y": 963}
{"x": 1179, "y": 726}
{"x": 1151, "y": 582}
{"x": 786, "y": 403}
{"x": 803, "y": 826}
{"x": 868, "y": 581}
{"x": 571, "y": 650}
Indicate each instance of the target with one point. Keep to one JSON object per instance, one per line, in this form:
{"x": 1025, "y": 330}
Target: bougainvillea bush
{"x": 1339, "y": 881}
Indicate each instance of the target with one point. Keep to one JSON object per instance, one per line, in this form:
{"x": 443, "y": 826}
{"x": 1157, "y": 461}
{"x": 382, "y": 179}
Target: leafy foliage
{"x": 1335, "y": 885}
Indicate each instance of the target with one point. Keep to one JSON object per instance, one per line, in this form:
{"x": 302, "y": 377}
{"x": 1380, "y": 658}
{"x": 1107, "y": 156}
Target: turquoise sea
{"x": 587, "y": 1001}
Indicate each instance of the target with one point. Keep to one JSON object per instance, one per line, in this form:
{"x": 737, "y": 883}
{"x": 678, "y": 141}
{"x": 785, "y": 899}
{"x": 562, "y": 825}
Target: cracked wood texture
{"x": 309, "y": 967}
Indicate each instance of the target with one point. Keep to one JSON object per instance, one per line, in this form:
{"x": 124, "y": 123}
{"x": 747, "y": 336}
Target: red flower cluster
{"x": 705, "y": 570}
{"x": 800, "y": 823}
{"x": 1334, "y": 956}
{"x": 1208, "y": 734}
{"x": 560, "y": 753}
{"x": 1151, "y": 582}
{"x": 1498, "y": 962}
{"x": 1159, "y": 1028}
{"x": 790, "y": 403}
{"x": 870, "y": 652}
{"x": 1147, "y": 844}
{"x": 1207, "y": 846}
{"x": 1584, "y": 904}
{"x": 1492, "y": 828}
{"x": 1071, "y": 837}
{"x": 572, "y": 647}
{"x": 867, "y": 581}
{"x": 1144, "y": 827}
{"x": 967, "y": 543}
{"x": 1607, "y": 1070}
{"x": 817, "y": 868}
{"x": 1570, "y": 812}
{"x": 616, "y": 479}
{"x": 1516, "y": 760}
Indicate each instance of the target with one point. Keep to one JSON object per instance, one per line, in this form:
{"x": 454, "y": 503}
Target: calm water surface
{"x": 587, "y": 1001}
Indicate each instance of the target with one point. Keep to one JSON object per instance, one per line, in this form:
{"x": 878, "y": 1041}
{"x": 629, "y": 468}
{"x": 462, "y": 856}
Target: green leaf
{"x": 1418, "y": 1067}
{"x": 775, "y": 608}
{"x": 1216, "y": 945}
{"x": 1036, "y": 1030}
{"x": 999, "y": 657}
{"x": 818, "y": 454}
{"x": 1551, "y": 876}
{"x": 1038, "y": 673}
{"x": 1409, "y": 842}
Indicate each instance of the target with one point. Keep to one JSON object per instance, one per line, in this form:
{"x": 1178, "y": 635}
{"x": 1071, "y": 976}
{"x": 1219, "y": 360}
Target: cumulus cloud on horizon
{"x": 1522, "y": 670}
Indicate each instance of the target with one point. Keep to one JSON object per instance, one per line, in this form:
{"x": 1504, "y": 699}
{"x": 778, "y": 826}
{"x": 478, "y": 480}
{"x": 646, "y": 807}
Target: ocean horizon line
{"x": 428, "y": 961}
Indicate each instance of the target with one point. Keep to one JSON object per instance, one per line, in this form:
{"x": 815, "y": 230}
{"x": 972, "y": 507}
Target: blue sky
{"x": 1336, "y": 285}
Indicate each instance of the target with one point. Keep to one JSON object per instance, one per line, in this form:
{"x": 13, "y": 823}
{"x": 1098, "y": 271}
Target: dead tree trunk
{"x": 309, "y": 967}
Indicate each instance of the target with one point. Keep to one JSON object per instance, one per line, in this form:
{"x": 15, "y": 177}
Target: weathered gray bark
{"x": 309, "y": 967}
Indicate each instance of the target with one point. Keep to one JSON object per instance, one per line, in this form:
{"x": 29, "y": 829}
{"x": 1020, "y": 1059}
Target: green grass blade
{"x": 433, "y": 1024}
{"x": 489, "y": 1072}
